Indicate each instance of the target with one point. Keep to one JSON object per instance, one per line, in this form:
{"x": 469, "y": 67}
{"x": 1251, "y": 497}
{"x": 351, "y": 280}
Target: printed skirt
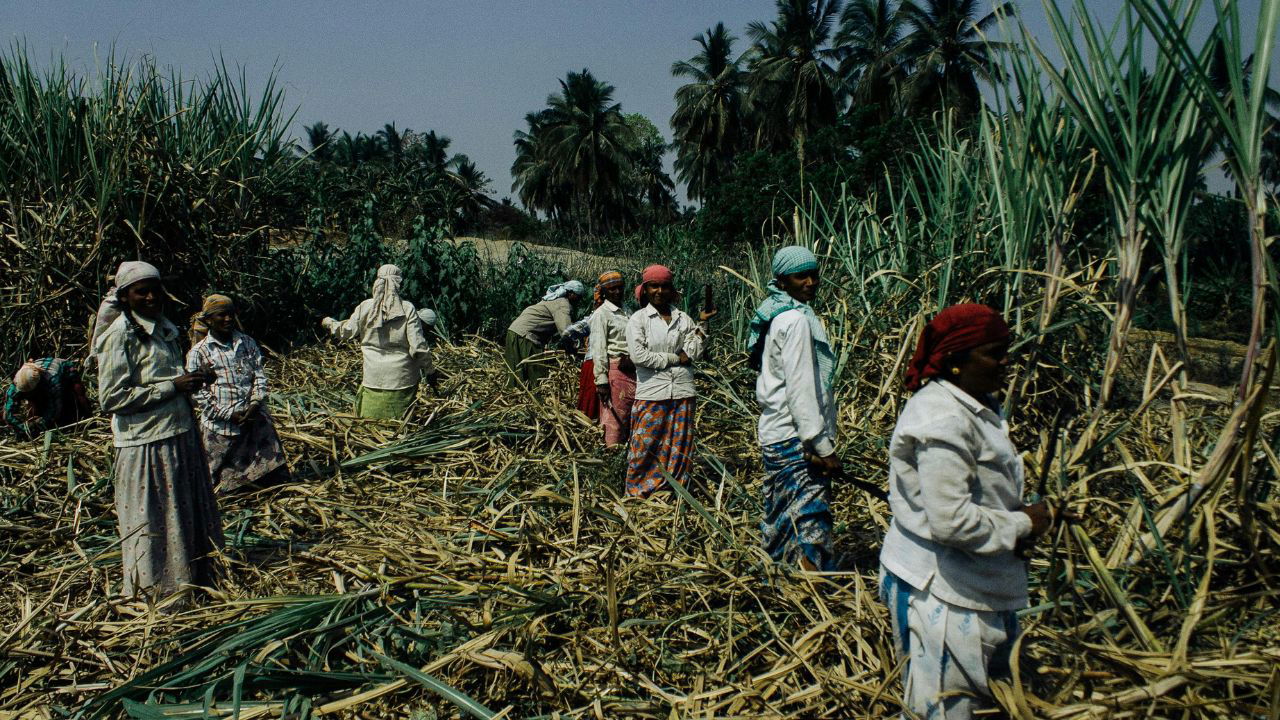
{"x": 250, "y": 456}
{"x": 797, "y": 511}
{"x": 661, "y": 440}
{"x": 169, "y": 520}
{"x": 951, "y": 651}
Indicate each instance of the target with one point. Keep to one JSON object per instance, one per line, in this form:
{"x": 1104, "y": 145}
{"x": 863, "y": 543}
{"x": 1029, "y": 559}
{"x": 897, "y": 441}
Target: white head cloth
{"x": 134, "y": 271}
{"x": 428, "y": 317}
{"x": 129, "y": 272}
{"x": 564, "y": 288}
{"x": 28, "y": 377}
{"x": 387, "y": 304}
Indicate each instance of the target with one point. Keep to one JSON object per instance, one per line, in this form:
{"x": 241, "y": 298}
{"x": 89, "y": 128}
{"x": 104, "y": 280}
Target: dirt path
{"x": 496, "y": 251}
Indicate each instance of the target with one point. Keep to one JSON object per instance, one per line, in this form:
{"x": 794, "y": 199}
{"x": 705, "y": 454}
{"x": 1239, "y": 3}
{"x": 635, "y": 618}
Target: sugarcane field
{"x": 861, "y": 359}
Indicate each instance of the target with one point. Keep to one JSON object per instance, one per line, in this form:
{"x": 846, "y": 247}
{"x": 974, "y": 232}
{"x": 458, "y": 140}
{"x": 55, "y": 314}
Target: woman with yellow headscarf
{"x": 239, "y": 435}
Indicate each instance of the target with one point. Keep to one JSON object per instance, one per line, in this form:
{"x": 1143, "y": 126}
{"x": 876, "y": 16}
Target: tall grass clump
{"x": 1170, "y": 569}
{"x": 130, "y": 161}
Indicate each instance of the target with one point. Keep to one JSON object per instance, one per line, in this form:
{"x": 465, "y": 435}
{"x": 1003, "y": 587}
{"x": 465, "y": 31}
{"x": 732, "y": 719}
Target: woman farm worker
{"x": 529, "y": 333}
{"x": 949, "y": 572}
{"x": 239, "y": 435}
{"x": 614, "y": 374}
{"x": 430, "y": 331}
{"x": 393, "y": 345}
{"x": 797, "y": 429}
{"x": 169, "y": 522}
{"x": 45, "y": 394}
{"x": 663, "y": 342}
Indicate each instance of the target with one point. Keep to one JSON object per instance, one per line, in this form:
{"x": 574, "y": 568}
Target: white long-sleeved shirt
{"x": 793, "y": 401}
{"x": 608, "y": 338}
{"x": 654, "y": 347}
{"x": 396, "y": 354}
{"x": 135, "y": 381}
{"x": 955, "y": 486}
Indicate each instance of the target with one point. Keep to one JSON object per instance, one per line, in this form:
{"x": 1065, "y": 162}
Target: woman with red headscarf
{"x": 950, "y": 573}
{"x": 663, "y": 343}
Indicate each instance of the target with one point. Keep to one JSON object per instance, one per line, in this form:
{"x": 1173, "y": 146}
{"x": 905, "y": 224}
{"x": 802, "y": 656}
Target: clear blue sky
{"x": 469, "y": 69}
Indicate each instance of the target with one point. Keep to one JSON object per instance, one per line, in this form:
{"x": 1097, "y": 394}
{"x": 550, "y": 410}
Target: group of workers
{"x": 951, "y": 575}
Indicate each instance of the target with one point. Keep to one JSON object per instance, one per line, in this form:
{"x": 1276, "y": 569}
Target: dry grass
{"x": 489, "y": 566}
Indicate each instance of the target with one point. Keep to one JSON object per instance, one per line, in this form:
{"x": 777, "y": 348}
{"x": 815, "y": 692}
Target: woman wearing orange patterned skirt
{"x": 663, "y": 343}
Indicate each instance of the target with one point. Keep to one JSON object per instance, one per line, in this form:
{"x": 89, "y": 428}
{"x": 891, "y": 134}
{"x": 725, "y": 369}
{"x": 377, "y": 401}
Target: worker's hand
{"x": 1041, "y": 518}
{"x": 602, "y": 391}
{"x": 684, "y": 358}
{"x": 706, "y": 315}
{"x": 625, "y": 364}
{"x": 434, "y": 380}
{"x": 190, "y": 382}
{"x": 827, "y": 465}
{"x": 32, "y": 410}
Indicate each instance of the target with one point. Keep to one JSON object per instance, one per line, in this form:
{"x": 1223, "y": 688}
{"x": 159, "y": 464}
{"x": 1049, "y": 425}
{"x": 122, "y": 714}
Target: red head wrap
{"x": 955, "y": 329}
{"x": 653, "y": 274}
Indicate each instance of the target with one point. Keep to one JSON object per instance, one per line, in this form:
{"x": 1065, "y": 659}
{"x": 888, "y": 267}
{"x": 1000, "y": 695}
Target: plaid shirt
{"x": 57, "y": 378}
{"x": 240, "y": 382}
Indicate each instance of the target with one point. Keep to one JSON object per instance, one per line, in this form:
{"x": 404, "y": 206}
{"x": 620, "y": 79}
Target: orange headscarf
{"x": 612, "y": 278}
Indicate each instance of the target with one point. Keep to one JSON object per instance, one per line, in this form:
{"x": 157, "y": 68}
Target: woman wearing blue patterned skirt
{"x": 797, "y": 429}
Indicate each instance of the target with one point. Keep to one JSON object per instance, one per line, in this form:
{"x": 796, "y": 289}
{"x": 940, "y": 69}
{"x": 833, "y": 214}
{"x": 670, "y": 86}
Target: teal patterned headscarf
{"x": 789, "y": 260}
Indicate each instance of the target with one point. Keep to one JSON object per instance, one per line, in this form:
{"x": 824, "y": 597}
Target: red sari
{"x": 588, "y": 400}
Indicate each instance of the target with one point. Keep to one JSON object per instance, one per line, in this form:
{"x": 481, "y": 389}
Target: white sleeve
{"x": 694, "y": 342}
{"x": 638, "y": 346}
{"x": 797, "y": 365}
{"x": 597, "y": 346}
{"x": 419, "y": 350}
{"x": 945, "y": 465}
{"x": 353, "y": 327}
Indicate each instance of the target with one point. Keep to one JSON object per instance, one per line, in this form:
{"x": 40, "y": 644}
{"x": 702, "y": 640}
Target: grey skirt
{"x": 169, "y": 520}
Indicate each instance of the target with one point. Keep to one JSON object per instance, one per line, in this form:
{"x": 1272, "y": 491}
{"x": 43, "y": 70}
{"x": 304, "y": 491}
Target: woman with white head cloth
{"x": 529, "y": 333}
{"x": 431, "y": 331}
{"x": 394, "y": 348}
{"x": 169, "y": 521}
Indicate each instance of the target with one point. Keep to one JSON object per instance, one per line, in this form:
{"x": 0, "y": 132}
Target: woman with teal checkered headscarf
{"x": 797, "y": 429}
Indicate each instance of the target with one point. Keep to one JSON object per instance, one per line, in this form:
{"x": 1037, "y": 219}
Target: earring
{"x": 955, "y": 371}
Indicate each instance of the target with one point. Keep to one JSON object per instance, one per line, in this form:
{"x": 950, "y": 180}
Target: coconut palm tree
{"x": 948, "y": 51}
{"x": 708, "y": 117}
{"x": 393, "y": 140}
{"x": 869, "y": 43}
{"x": 320, "y": 139}
{"x": 793, "y": 84}
{"x": 534, "y": 174}
{"x": 433, "y": 151}
{"x": 588, "y": 138}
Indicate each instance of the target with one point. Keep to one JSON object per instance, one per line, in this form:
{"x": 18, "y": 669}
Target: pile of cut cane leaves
{"x": 481, "y": 560}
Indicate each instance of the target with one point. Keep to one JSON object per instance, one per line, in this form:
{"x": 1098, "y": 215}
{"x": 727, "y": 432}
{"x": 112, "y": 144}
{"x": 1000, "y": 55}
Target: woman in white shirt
{"x": 663, "y": 342}
{"x": 169, "y": 521}
{"x": 950, "y": 571}
{"x": 613, "y": 372}
{"x": 395, "y": 350}
{"x": 797, "y": 428}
